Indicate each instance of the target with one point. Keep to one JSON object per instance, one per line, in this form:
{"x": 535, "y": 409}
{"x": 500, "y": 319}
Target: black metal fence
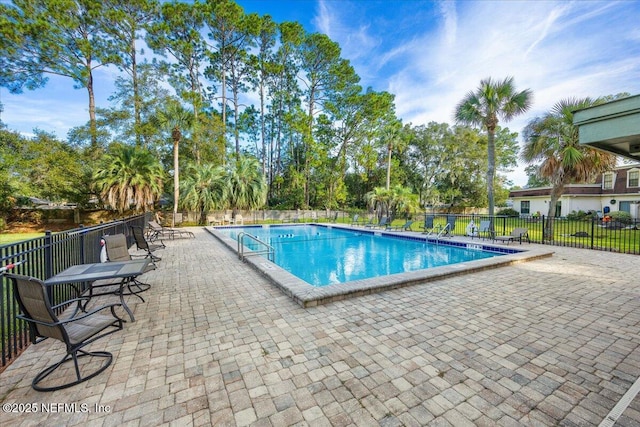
{"x": 589, "y": 233}
{"x": 46, "y": 256}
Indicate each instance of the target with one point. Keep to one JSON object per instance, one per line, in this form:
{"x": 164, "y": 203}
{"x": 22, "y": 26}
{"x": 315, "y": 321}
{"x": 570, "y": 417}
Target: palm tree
{"x": 130, "y": 176}
{"x": 552, "y": 143}
{"x": 247, "y": 187}
{"x": 403, "y": 201}
{"x": 491, "y": 101}
{"x": 379, "y": 199}
{"x": 204, "y": 188}
{"x": 175, "y": 118}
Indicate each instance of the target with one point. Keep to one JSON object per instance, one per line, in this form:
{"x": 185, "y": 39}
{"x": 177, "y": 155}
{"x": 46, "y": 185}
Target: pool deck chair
{"x": 449, "y": 226}
{"x": 75, "y": 328}
{"x": 212, "y": 220}
{"x": 517, "y": 234}
{"x": 405, "y": 227}
{"x": 157, "y": 231}
{"x": 118, "y": 250}
{"x": 484, "y": 230}
{"x": 429, "y": 227}
{"x": 143, "y": 245}
{"x": 384, "y": 221}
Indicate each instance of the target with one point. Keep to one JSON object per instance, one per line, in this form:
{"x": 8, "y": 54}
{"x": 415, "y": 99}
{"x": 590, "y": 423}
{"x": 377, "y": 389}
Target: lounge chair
{"x": 405, "y": 227}
{"x": 384, "y": 222}
{"x": 212, "y": 220}
{"x": 518, "y": 234}
{"x": 143, "y": 245}
{"x": 355, "y": 220}
{"x": 157, "y": 231}
{"x": 369, "y": 222}
{"x": 238, "y": 220}
{"x": 76, "y": 330}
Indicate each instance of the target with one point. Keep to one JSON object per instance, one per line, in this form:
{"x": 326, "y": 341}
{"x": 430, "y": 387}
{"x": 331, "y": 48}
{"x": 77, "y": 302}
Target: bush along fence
{"x": 44, "y": 257}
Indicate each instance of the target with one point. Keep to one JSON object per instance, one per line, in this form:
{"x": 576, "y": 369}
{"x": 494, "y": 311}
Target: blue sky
{"x": 429, "y": 54}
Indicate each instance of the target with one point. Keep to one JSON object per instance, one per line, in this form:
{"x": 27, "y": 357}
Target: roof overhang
{"x": 613, "y": 126}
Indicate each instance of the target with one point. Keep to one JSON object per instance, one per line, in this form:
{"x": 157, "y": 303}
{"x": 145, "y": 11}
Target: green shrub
{"x": 508, "y": 212}
{"x": 621, "y": 216}
{"x": 581, "y": 216}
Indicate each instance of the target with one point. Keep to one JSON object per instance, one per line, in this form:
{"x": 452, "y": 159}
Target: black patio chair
{"x": 75, "y": 330}
{"x": 143, "y": 245}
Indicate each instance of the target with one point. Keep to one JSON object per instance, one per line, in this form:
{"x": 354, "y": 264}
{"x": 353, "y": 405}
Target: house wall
{"x": 581, "y": 203}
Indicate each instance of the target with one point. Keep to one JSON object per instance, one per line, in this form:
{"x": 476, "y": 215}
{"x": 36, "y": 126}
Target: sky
{"x": 429, "y": 54}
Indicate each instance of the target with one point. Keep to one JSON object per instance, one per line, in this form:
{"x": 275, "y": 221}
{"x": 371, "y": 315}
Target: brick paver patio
{"x": 544, "y": 343}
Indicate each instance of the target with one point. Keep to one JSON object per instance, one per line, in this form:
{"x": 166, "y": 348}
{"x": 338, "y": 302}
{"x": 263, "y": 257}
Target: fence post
{"x": 48, "y": 255}
{"x": 82, "y": 236}
{"x": 593, "y": 228}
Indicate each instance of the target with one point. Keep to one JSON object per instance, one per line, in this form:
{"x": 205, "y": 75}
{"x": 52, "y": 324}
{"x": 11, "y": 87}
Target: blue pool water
{"x": 323, "y": 256}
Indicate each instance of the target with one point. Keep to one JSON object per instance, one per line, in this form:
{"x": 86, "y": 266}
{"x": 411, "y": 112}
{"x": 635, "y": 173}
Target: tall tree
{"x": 324, "y": 72}
{"x": 491, "y": 101}
{"x": 127, "y": 107}
{"x": 552, "y": 143}
{"x": 176, "y": 35}
{"x": 130, "y": 176}
{"x": 284, "y": 93}
{"x": 52, "y": 37}
{"x": 124, "y": 21}
{"x": 263, "y": 62}
{"x": 176, "y": 119}
{"x": 232, "y": 33}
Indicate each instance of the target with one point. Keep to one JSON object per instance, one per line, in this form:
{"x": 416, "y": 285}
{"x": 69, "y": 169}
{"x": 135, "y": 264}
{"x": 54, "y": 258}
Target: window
{"x": 525, "y": 207}
{"x": 607, "y": 181}
{"x": 633, "y": 178}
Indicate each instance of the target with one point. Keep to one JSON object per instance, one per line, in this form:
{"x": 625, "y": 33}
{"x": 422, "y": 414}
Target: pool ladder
{"x": 268, "y": 249}
{"x": 444, "y": 231}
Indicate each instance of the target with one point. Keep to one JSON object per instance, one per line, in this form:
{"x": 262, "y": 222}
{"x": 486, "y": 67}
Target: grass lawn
{"x": 15, "y": 237}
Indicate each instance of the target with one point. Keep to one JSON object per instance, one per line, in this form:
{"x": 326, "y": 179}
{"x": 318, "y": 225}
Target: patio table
{"x": 124, "y": 270}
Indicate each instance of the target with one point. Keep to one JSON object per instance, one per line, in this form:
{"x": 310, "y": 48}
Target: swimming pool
{"x": 323, "y": 256}
{"x": 306, "y": 295}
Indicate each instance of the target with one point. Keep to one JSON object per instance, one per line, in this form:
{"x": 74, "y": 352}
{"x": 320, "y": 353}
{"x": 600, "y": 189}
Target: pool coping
{"x": 307, "y": 295}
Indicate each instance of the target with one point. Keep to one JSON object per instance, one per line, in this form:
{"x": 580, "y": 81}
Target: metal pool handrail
{"x": 268, "y": 248}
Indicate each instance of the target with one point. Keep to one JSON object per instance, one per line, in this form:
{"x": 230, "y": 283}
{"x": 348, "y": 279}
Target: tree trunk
{"x": 93, "y": 130}
{"x": 176, "y": 175}
{"x": 389, "y": 149}
{"x": 556, "y": 193}
{"x": 136, "y": 94}
{"x": 491, "y": 169}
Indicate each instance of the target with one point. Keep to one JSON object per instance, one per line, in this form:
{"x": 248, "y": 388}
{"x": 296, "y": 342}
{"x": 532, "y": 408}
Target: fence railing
{"x": 599, "y": 234}
{"x": 590, "y": 233}
{"x": 46, "y": 256}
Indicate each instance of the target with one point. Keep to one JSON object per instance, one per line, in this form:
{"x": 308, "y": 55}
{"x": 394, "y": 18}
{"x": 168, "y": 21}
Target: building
{"x": 616, "y": 190}
{"x": 613, "y": 127}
